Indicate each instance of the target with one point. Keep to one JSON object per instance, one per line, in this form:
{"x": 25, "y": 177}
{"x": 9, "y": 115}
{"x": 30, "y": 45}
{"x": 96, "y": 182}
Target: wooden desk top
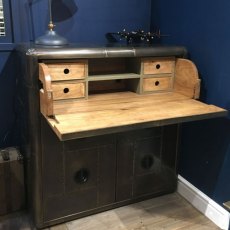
{"x": 116, "y": 112}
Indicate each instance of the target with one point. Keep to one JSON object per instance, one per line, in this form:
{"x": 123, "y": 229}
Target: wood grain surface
{"x": 158, "y": 66}
{"x": 152, "y": 84}
{"x": 187, "y": 80}
{"x": 105, "y": 113}
{"x": 68, "y": 71}
{"x": 67, "y": 90}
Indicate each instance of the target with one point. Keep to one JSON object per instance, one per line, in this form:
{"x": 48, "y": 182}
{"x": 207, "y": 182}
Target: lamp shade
{"x": 68, "y": 9}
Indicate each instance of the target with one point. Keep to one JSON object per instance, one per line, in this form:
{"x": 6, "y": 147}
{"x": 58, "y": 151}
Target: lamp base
{"x": 51, "y": 38}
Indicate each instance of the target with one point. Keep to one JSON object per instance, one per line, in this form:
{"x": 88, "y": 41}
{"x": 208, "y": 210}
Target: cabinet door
{"x": 78, "y": 175}
{"x": 146, "y": 162}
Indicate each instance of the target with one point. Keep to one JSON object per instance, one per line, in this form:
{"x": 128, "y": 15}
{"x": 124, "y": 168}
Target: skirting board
{"x": 203, "y": 203}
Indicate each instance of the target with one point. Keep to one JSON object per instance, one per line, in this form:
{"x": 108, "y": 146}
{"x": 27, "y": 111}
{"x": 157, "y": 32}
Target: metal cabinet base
{"x": 85, "y": 176}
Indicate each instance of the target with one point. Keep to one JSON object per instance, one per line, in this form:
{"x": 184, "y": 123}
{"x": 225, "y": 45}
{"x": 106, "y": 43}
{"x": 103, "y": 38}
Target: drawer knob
{"x": 66, "y": 71}
{"x": 147, "y": 162}
{"x": 82, "y": 176}
{"x": 158, "y": 66}
{"x": 66, "y": 90}
{"x": 157, "y": 83}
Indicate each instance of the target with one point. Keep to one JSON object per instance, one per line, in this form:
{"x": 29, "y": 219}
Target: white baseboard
{"x": 203, "y": 203}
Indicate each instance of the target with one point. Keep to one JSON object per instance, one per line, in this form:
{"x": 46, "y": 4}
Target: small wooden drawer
{"x": 156, "y": 66}
{"x": 157, "y": 84}
{"x": 62, "y": 90}
{"x": 68, "y": 71}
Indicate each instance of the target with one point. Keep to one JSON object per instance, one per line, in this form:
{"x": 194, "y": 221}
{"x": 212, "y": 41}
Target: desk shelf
{"x": 108, "y": 77}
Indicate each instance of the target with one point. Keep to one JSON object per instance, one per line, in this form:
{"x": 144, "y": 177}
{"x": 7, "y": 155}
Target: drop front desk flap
{"x": 120, "y": 95}
{"x": 100, "y": 125}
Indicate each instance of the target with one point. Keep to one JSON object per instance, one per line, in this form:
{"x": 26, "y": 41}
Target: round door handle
{"x": 147, "y": 162}
{"x": 82, "y": 176}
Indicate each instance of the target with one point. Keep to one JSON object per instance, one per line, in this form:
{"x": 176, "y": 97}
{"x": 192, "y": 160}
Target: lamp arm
{"x": 50, "y": 11}
{"x": 50, "y": 25}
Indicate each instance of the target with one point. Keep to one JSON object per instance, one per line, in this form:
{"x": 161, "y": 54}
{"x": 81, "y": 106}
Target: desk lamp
{"x": 51, "y": 38}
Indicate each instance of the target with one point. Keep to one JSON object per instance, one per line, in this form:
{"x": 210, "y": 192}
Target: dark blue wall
{"x": 84, "y": 21}
{"x": 79, "y": 21}
{"x": 203, "y": 27}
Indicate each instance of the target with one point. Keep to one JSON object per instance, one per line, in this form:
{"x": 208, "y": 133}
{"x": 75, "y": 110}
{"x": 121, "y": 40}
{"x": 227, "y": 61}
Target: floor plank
{"x": 169, "y": 212}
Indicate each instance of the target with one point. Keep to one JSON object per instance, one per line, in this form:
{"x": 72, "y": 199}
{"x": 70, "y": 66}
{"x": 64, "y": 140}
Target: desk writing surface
{"x": 108, "y": 113}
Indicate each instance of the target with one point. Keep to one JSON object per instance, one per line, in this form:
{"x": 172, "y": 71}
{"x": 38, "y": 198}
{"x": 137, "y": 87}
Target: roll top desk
{"x": 100, "y": 125}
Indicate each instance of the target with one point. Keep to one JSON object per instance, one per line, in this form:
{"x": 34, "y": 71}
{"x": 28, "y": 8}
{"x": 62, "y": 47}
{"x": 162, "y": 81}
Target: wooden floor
{"x": 169, "y": 212}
